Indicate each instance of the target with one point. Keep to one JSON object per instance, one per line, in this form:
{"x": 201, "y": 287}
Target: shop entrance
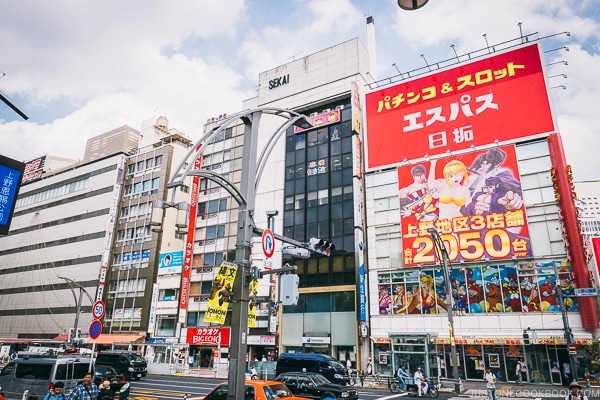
{"x": 414, "y": 351}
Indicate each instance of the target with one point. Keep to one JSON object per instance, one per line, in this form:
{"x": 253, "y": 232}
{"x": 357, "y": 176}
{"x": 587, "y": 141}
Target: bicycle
{"x": 413, "y": 390}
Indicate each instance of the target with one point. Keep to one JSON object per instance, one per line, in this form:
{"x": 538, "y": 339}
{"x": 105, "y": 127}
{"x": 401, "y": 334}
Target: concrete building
{"x": 59, "y": 239}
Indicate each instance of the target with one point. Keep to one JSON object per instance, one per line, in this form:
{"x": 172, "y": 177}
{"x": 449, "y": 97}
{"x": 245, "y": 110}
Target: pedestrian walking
{"x": 57, "y": 392}
{"x": 490, "y": 384}
{"x": 85, "y": 390}
{"x": 518, "y": 371}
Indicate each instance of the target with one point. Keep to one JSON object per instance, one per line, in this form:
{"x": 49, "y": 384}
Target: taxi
{"x": 255, "y": 390}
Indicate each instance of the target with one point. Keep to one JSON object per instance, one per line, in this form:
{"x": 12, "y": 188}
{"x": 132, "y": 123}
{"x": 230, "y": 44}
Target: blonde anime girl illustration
{"x": 452, "y": 190}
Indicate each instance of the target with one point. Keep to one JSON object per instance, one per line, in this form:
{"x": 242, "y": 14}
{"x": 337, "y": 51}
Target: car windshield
{"x": 277, "y": 390}
{"x": 320, "y": 379}
{"x": 105, "y": 371}
{"x": 137, "y": 358}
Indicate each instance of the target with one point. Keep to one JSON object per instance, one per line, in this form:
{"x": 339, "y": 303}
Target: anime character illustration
{"x": 452, "y": 190}
{"x": 401, "y": 300}
{"x": 495, "y": 196}
{"x": 529, "y": 294}
{"x": 493, "y": 297}
{"x": 427, "y": 295}
{"x": 548, "y": 295}
{"x": 217, "y": 284}
{"x": 384, "y": 300}
{"x": 487, "y": 165}
{"x": 460, "y": 305}
{"x": 510, "y": 292}
{"x": 416, "y": 199}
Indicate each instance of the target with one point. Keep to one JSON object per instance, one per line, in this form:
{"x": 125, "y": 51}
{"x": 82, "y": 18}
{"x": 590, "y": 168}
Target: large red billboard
{"x": 474, "y": 201}
{"x": 497, "y": 99}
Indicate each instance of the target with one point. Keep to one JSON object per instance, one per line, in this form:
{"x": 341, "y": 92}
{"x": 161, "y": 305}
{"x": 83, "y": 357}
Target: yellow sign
{"x": 220, "y": 294}
{"x": 252, "y": 303}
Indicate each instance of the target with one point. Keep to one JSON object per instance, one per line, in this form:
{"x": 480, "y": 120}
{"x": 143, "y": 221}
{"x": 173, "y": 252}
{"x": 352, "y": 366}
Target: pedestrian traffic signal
{"x": 525, "y": 338}
{"x": 321, "y": 246}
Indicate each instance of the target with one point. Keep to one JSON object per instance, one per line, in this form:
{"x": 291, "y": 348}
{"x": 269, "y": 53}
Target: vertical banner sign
{"x": 474, "y": 201}
{"x": 252, "y": 303}
{"x": 220, "y": 293}
{"x": 362, "y": 284}
{"x": 11, "y": 174}
{"x": 502, "y": 97}
{"x": 189, "y": 246}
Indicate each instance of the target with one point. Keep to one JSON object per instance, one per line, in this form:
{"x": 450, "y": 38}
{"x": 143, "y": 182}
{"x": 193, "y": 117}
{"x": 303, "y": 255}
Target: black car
{"x": 107, "y": 373}
{"x": 316, "y": 386}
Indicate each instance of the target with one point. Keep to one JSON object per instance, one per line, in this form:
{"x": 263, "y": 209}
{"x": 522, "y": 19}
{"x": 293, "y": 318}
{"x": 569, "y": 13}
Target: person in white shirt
{"x": 419, "y": 379}
{"x": 490, "y": 384}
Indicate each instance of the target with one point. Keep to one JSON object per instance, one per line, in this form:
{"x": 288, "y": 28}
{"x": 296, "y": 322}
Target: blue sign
{"x": 95, "y": 329}
{"x": 171, "y": 263}
{"x": 11, "y": 173}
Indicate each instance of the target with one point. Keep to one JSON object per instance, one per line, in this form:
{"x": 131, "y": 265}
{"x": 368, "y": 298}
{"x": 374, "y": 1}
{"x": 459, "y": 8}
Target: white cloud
{"x": 79, "y": 69}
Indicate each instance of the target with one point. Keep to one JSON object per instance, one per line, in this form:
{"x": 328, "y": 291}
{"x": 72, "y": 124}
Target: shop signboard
{"x": 502, "y": 98}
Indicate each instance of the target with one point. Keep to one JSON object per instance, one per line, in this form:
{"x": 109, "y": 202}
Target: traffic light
{"x": 321, "y": 246}
{"x": 288, "y": 292}
{"x": 525, "y": 338}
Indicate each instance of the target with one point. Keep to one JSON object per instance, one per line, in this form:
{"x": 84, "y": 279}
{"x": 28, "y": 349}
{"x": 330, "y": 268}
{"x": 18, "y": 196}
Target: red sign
{"x": 268, "y": 243}
{"x": 188, "y": 253}
{"x": 475, "y": 203}
{"x": 503, "y": 97}
{"x": 212, "y": 337}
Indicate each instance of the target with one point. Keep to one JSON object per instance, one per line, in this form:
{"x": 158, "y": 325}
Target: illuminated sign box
{"x": 11, "y": 173}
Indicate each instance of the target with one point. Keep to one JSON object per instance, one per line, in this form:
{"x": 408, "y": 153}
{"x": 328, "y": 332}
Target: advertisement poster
{"x": 475, "y": 203}
{"x": 213, "y": 337}
{"x": 220, "y": 293}
{"x": 170, "y": 263}
{"x": 253, "y": 285}
{"x": 501, "y": 98}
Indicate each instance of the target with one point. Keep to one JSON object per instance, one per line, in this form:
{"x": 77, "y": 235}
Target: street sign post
{"x": 268, "y": 243}
{"x": 95, "y": 329}
{"x": 586, "y": 292}
{"x": 98, "y": 309}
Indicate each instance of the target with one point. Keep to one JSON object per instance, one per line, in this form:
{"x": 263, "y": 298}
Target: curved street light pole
{"x": 82, "y": 290}
{"x": 442, "y": 255}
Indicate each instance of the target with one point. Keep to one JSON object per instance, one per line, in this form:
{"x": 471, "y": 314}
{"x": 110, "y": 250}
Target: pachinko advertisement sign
{"x": 220, "y": 294}
{"x": 498, "y": 99}
{"x": 475, "y": 203}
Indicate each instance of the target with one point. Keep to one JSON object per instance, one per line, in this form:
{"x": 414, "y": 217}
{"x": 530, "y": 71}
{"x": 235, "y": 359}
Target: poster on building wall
{"x": 170, "y": 263}
{"x": 220, "y": 293}
{"x": 497, "y": 99}
{"x": 475, "y": 203}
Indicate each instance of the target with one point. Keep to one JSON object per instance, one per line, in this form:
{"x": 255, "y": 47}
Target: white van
{"x": 38, "y": 373}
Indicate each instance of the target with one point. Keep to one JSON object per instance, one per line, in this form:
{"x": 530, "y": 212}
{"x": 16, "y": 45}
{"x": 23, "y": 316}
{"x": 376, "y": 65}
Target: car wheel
{"x": 328, "y": 396}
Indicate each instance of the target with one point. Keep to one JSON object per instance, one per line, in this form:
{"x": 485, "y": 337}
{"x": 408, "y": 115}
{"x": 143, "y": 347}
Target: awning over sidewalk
{"x": 110, "y": 338}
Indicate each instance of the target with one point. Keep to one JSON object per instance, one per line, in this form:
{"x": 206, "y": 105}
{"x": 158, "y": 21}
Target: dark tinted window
{"x": 7, "y": 370}
{"x": 71, "y": 371}
{"x": 34, "y": 371}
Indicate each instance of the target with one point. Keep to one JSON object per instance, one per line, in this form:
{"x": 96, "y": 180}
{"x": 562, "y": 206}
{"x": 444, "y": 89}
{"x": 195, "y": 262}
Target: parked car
{"x": 37, "y": 373}
{"x": 322, "y": 364}
{"x": 129, "y": 363}
{"x": 255, "y": 390}
{"x": 107, "y": 373}
{"x": 316, "y": 386}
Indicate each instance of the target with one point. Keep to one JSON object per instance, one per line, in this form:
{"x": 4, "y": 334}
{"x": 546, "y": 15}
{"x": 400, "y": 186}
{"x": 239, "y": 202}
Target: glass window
{"x": 158, "y": 160}
{"x": 343, "y": 301}
{"x": 149, "y": 163}
{"x": 318, "y": 302}
{"x": 301, "y": 141}
{"x": 335, "y": 132}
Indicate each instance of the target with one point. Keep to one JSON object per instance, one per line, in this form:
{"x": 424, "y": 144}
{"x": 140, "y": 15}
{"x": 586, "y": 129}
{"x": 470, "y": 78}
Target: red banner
{"x": 500, "y": 98}
{"x": 211, "y": 337}
{"x": 475, "y": 203}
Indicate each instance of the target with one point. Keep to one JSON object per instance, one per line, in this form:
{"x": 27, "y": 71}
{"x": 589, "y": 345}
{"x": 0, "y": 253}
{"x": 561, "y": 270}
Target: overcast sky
{"x": 82, "y": 68}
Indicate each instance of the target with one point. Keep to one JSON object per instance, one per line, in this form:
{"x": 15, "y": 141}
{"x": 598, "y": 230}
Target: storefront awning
{"x": 494, "y": 341}
{"x": 110, "y": 338}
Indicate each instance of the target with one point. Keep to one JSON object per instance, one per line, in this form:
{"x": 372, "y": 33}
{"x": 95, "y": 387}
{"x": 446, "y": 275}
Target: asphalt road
{"x": 157, "y": 387}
